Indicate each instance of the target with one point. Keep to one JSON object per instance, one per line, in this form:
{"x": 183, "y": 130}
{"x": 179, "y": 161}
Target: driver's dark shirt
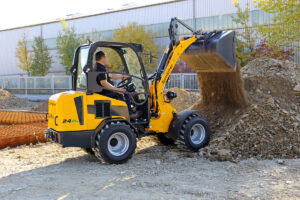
{"x": 101, "y": 68}
{"x": 108, "y": 93}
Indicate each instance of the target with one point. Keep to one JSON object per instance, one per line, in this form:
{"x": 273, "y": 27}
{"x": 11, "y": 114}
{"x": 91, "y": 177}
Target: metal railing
{"x": 36, "y": 83}
{"x": 53, "y": 83}
{"x": 187, "y": 81}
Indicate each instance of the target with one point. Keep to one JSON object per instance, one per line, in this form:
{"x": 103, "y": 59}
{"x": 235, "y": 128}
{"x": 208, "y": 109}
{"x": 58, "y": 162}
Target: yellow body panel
{"x": 165, "y": 110}
{"x": 63, "y": 113}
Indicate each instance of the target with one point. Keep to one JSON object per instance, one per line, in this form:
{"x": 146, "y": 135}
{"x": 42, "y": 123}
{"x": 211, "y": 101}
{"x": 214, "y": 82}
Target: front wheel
{"x": 195, "y": 132}
{"x": 115, "y": 143}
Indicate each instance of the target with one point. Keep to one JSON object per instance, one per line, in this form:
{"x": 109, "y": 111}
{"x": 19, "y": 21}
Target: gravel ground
{"x": 47, "y": 171}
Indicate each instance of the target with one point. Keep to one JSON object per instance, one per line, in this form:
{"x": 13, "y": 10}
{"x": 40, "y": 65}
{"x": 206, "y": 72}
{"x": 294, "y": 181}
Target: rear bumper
{"x": 84, "y": 139}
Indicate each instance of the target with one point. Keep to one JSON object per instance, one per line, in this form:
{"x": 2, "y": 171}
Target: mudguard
{"x": 177, "y": 122}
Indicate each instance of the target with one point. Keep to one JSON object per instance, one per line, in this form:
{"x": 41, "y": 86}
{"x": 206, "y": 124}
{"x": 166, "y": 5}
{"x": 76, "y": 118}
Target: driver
{"x": 104, "y": 80}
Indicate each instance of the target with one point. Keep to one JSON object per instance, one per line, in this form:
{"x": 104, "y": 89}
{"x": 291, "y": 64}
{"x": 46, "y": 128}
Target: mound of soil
{"x": 43, "y": 107}
{"x": 269, "y": 127}
{"x": 184, "y": 98}
{"x": 15, "y": 135}
{"x": 8, "y": 100}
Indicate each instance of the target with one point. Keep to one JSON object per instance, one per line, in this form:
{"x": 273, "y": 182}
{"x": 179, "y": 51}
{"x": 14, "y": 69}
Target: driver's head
{"x": 100, "y": 57}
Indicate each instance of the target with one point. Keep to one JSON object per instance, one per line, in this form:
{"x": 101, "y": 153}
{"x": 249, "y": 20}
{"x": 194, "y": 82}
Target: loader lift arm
{"x": 171, "y": 55}
{"x": 219, "y": 44}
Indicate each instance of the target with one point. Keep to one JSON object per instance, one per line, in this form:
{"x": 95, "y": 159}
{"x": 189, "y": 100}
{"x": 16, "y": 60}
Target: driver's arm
{"x": 107, "y": 85}
{"x": 118, "y": 76}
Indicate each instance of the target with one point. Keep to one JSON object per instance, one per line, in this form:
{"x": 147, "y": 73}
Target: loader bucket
{"x": 216, "y": 54}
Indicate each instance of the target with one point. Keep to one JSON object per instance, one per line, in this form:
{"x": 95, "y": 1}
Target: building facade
{"x": 207, "y": 15}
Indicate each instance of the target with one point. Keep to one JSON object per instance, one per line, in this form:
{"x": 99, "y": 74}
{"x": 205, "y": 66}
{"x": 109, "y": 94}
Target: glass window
{"x": 50, "y": 43}
{"x": 113, "y": 59}
{"x": 134, "y": 68}
{"x": 266, "y": 18}
{"x": 82, "y": 59}
{"x": 254, "y": 16}
{"x": 260, "y": 17}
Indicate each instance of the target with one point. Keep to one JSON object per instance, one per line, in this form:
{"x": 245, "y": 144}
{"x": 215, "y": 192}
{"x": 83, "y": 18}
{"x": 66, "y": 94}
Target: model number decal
{"x": 69, "y": 121}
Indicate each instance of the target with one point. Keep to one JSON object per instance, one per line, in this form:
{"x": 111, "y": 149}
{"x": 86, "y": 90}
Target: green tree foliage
{"x": 276, "y": 37}
{"x": 67, "y": 41}
{"x": 284, "y": 30}
{"x": 247, "y": 37}
{"x": 24, "y": 55}
{"x": 134, "y": 33}
{"x": 42, "y": 60}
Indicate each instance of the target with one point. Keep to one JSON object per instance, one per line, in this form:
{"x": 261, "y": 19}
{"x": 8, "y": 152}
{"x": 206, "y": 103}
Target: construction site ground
{"x": 47, "y": 171}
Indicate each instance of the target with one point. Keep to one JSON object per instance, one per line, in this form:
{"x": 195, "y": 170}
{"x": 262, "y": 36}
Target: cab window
{"x": 82, "y": 60}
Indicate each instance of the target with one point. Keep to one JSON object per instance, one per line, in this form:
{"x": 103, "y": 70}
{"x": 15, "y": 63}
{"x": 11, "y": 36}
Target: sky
{"x": 14, "y": 13}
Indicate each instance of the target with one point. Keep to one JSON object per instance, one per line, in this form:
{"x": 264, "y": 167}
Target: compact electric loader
{"x": 102, "y": 126}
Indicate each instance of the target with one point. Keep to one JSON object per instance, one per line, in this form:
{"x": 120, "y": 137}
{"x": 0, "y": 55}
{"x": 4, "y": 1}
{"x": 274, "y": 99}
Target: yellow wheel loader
{"x": 101, "y": 125}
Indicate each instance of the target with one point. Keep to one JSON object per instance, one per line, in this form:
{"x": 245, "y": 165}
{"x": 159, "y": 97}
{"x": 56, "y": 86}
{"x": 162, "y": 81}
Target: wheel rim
{"x": 118, "y": 144}
{"x": 197, "y": 133}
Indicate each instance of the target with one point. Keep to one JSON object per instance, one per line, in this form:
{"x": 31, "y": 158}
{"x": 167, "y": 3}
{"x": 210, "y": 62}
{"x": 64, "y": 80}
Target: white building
{"x": 205, "y": 14}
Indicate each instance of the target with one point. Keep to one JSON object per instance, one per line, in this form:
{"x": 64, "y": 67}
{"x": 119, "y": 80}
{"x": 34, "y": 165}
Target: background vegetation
{"x": 274, "y": 40}
{"x": 42, "y": 60}
{"x": 23, "y": 54}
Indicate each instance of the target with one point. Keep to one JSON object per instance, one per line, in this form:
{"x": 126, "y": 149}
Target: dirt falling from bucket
{"x": 221, "y": 90}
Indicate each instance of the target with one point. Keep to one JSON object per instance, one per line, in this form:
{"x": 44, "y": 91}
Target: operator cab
{"x": 124, "y": 59}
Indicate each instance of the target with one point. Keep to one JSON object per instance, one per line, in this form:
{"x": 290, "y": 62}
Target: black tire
{"x": 109, "y": 137}
{"x": 195, "y": 132}
{"x": 165, "y": 140}
{"x": 89, "y": 151}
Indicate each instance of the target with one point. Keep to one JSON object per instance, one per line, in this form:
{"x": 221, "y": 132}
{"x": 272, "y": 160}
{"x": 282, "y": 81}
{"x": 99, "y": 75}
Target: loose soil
{"x": 10, "y": 101}
{"x": 184, "y": 98}
{"x": 269, "y": 127}
{"x": 43, "y": 107}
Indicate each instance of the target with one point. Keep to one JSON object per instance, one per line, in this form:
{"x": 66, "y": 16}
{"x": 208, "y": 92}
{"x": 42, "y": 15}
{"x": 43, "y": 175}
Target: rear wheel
{"x": 195, "y": 132}
{"x": 165, "y": 139}
{"x": 115, "y": 143}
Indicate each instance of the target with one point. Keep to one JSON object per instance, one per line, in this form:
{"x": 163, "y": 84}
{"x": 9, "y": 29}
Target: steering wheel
{"x": 125, "y": 82}
{"x": 131, "y": 95}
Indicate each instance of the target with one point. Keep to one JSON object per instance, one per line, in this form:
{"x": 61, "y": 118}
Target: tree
{"x": 67, "y": 41}
{"x": 42, "y": 60}
{"x": 284, "y": 30}
{"x": 134, "y": 33}
{"x": 247, "y": 37}
{"x": 24, "y": 56}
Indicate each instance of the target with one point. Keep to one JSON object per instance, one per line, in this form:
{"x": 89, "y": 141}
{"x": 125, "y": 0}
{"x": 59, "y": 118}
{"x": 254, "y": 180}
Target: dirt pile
{"x": 8, "y": 100}
{"x": 184, "y": 98}
{"x": 43, "y": 107}
{"x": 269, "y": 127}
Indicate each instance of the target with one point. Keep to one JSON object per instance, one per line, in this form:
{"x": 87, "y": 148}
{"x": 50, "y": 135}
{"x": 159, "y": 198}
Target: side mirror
{"x": 150, "y": 56}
